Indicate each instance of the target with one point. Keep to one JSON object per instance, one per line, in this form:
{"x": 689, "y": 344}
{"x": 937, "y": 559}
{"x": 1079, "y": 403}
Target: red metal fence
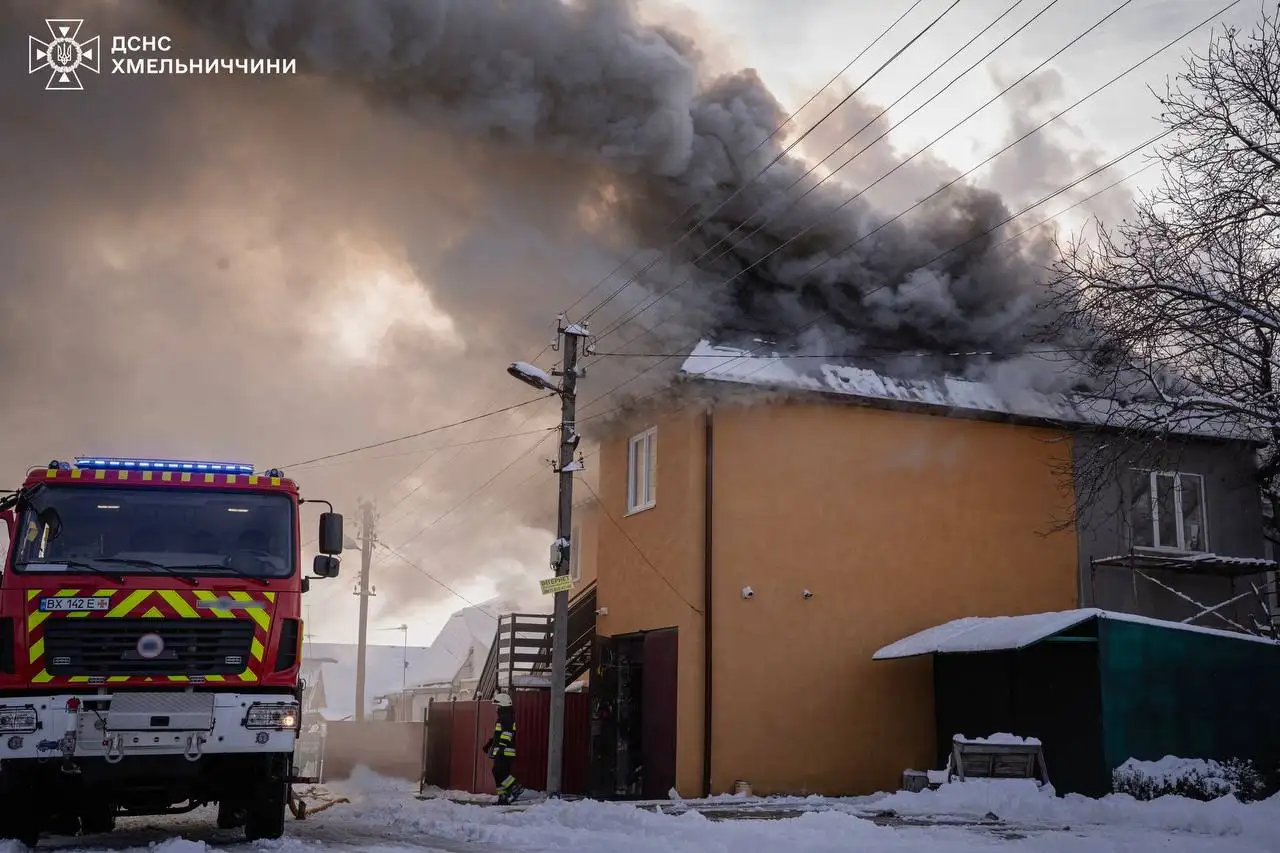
{"x": 455, "y": 731}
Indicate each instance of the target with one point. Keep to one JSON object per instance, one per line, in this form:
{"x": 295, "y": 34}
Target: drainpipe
{"x": 709, "y": 469}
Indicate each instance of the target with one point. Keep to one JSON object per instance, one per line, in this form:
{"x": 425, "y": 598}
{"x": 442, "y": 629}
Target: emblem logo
{"x": 150, "y": 646}
{"x": 63, "y": 55}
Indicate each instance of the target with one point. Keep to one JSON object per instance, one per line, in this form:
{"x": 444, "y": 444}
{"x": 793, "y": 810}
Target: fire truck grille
{"x": 107, "y": 647}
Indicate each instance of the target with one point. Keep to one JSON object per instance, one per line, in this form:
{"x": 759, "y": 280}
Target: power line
{"x": 635, "y": 312}
{"x": 818, "y": 318}
{"x": 437, "y": 448}
{"x": 777, "y": 130}
{"x": 693, "y": 206}
{"x": 476, "y": 491}
{"x": 777, "y": 158}
{"x": 869, "y": 350}
{"x": 423, "y": 483}
{"x": 999, "y": 224}
{"x": 422, "y": 433}
{"x": 825, "y": 216}
{"x": 448, "y": 588}
{"x": 941, "y": 255}
{"x": 639, "y": 551}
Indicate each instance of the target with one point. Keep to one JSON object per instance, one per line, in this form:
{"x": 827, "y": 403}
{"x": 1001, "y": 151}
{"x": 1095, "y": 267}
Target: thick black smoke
{"x": 183, "y": 255}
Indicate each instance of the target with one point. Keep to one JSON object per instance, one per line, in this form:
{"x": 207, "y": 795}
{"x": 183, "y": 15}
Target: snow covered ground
{"x": 384, "y": 816}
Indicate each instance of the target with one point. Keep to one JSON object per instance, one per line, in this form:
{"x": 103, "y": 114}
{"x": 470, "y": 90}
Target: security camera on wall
{"x": 748, "y": 592}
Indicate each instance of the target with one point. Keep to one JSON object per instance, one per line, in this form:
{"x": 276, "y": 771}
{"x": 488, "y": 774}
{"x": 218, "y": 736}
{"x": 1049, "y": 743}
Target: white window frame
{"x": 575, "y": 568}
{"x": 1178, "y": 547}
{"x": 642, "y": 467}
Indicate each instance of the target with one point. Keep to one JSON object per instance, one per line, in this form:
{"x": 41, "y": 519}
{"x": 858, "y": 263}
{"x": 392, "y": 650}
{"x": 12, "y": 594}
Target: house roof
{"x": 944, "y": 395}
{"x": 1009, "y": 633}
{"x": 385, "y": 672}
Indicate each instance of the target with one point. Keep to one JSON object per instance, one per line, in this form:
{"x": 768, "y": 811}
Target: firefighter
{"x": 502, "y": 749}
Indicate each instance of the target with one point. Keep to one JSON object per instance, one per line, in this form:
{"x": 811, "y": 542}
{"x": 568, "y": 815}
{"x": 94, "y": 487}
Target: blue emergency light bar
{"x": 116, "y": 464}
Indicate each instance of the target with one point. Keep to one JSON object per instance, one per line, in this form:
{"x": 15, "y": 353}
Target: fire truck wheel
{"x": 265, "y": 816}
{"x": 18, "y": 820}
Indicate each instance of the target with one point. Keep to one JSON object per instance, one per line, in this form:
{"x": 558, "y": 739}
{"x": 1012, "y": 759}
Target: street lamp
{"x": 533, "y": 375}
{"x": 404, "y": 677}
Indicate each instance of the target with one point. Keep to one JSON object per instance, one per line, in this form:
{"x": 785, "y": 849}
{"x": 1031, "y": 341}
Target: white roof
{"x": 385, "y": 673}
{"x": 1007, "y": 633}
{"x": 947, "y": 394}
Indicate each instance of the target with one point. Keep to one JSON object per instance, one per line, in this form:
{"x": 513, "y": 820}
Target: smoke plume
{"x": 194, "y": 263}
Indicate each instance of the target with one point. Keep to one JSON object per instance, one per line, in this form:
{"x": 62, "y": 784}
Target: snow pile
{"x": 1116, "y": 823}
{"x": 1023, "y": 800}
{"x": 999, "y": 739}
{"x": 1196, "y": 778}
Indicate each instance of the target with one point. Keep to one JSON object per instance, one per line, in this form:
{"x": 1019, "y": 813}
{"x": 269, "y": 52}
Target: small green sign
{"x": 559, "y": 583}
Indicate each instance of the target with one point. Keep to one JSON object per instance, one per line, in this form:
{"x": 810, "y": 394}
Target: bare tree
{"x": 1182, "y": 299}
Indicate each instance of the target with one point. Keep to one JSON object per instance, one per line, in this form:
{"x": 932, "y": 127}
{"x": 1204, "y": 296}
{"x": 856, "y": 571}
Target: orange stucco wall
{"x": 649, "y": 565}
{"x": 895, "y": 522}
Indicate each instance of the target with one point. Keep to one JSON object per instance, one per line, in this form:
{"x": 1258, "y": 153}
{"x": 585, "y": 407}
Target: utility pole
{"x": 568, "y": 336}
{"x": 367, "y": 538}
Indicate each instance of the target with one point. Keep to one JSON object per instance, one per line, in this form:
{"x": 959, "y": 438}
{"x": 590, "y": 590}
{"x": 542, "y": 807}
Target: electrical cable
{"x": 635, "y": 312}
{"x": 440, "y": 428}
{"x": 448, "y": 588}
{"x": 818, "y": 319}
{"x": 828, "y": 214}
{"x": 438, "y": 447}
{"x": 692, "y": 206}
{"x": 639, "y": 551}
{"x": 777, "y": 158}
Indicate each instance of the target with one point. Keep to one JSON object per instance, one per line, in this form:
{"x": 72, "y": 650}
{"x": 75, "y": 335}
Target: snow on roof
{"x": 467, "y": 629}
{"x": 948, "y": 394}
{"x": 1007, "y": 633}
{"x": 384, "y": 672}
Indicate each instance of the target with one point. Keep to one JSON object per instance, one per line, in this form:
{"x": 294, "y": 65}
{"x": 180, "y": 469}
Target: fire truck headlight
{"x": 274, "y": 715}
{"x": 18, "y": 718}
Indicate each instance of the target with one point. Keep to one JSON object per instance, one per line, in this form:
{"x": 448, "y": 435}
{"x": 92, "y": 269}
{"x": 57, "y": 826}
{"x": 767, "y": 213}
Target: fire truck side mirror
{"x": 10, "y": 521}
{"x": 325, "y": 566}
{"x": 330, "y": 533}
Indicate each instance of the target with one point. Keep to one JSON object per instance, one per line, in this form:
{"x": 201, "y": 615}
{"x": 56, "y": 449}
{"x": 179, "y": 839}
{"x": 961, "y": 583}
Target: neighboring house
{"x": 794, "y": 536}
{"x": 457, "y": 656}
{"x": 385, "y": 671}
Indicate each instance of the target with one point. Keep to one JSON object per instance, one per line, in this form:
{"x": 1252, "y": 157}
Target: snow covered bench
{"x": 1000, "y": 756}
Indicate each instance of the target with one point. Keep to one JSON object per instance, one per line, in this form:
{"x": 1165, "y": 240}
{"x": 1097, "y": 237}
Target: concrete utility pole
{"x": 367, "y": 539}
{"x": 569, "y": 438}
{"x": 568, "y": 337}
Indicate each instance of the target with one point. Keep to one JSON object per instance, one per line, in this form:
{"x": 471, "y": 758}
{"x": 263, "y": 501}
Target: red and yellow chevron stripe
{"x": 153, "y": 604}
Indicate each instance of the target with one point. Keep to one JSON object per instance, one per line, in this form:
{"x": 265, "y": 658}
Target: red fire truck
{"x": 150, "y": 642}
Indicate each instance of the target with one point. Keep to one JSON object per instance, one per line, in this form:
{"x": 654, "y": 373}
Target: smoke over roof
{"x": 185, "y": 255}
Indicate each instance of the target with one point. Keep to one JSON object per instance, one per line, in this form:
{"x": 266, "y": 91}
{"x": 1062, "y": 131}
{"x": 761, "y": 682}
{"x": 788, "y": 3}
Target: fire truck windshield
{"x": 123, "y": 531}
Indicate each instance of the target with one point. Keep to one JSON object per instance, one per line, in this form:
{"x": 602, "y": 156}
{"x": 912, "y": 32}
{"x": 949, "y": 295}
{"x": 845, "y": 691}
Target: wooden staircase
{"x": 520, "y": 657}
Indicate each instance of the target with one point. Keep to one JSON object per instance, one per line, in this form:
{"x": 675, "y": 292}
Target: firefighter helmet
{"x": 502, "y": 700}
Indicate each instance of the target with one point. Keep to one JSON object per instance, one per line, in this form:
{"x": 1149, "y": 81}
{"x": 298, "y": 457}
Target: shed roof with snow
{"x": 1010, "y": 633}
{"x": 945, "y": 395}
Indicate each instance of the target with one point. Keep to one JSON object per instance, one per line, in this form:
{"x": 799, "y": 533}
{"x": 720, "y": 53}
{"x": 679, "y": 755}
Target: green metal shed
{"x": 1099, "y": 687}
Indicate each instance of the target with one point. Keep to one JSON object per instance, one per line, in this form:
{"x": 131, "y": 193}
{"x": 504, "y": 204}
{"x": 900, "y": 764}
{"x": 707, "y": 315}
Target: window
{"x": 155, "y": 530}
{"x": 641, "y": 453}
{"x": 1167, "y": 511}
{"x": 575, "y": 572}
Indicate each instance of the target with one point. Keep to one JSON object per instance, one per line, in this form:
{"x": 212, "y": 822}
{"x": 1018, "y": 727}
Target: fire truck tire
{"x": 19, "y": 821}
{"x": 264, "y": 818}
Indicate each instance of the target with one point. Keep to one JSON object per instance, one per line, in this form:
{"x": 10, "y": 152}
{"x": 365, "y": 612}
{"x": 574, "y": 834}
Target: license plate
{"x": 61, "y": 604}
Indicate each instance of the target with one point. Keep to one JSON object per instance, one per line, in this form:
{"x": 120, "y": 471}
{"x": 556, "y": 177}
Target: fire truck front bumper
{"x": 119, "y": 725}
